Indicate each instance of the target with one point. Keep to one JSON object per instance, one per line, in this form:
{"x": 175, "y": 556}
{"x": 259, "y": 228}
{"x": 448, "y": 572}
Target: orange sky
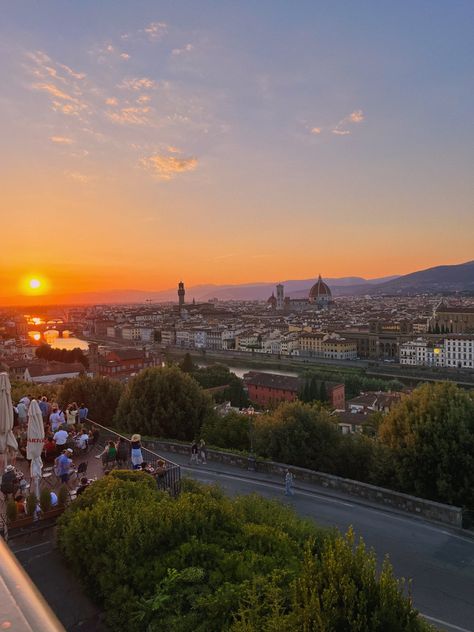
{"x": 143, "y": 149}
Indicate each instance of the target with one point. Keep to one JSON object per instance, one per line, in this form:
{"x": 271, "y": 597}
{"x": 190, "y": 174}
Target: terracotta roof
{"x": 273, "y": 380}
{"x": 319, "y": 289}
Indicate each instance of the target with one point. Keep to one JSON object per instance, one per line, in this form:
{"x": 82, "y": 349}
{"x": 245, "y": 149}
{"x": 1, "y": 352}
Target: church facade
{"x": 319, "y": 297}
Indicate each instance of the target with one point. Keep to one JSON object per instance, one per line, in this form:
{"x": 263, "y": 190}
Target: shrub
{"x": 230, "y": 431}
{"x": 204, "y": 562}
{"x": 12, "y": 511}
{"x": 45, "y": 500}
{"x": 31, "y": 504}
{"x": 63, "y": 496}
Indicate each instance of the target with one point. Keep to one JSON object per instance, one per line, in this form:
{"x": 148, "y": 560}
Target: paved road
{"x": 439, "y": 561}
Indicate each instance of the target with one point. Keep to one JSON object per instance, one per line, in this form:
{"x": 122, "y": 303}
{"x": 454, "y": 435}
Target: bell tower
{"x": 181, "y": 293}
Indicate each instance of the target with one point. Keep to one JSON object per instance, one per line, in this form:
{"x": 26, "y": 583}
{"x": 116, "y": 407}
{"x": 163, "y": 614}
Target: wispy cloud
{"x": 179, "y": 51}
{"x": 167, "y": 167}
{"x": 61, "y": 140}
{"x": 130, "y": 115}
{"x": 77, "y": 176}
{"x": 156, "y": 30}
{"x": 316, "y": 130}
{"x": 357, "y": 116}
{"x": 138, "y": 83}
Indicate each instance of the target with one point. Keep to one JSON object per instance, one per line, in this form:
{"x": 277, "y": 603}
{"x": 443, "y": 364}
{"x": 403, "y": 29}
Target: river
{"x": 240, "y": 371}
{"x": 69, "y": 343}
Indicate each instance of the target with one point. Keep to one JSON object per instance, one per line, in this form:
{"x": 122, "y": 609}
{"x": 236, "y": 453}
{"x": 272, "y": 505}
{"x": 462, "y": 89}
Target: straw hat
{"x": 135, "y": 437}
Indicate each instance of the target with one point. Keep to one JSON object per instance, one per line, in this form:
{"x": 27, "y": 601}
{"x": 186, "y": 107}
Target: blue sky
{"x": 276, "y": 138}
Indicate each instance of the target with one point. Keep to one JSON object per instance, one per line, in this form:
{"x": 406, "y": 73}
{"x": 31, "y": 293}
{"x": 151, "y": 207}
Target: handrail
{"x": 21, "y": 604}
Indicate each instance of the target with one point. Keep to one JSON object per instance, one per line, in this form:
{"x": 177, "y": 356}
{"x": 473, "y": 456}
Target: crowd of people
{"x": 69, "y": 435}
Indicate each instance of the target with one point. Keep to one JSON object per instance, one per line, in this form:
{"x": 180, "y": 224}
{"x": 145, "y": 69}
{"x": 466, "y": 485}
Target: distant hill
{"x": 455, "y": 278}
{"x": 450, "y": 278}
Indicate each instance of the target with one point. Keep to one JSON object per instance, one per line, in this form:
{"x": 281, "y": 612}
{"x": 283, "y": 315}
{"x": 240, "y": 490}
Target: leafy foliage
{"x": 100, "y": 395}
{"x": 220, "y": 375}
{"x": 430, "y": 436}
{"x": 70, "y": 356}
{"x": 163, "y": 402}
{"x": 176, "y": 563}
{"x": 36, "y": 391}
{"x": 338, "y": 589}
{"x": 230, "y": 431}
{"x": 201, "y": 562}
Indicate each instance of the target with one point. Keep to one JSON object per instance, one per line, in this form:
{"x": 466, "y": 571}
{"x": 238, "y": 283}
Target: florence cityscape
{"x": 237, "y": 317}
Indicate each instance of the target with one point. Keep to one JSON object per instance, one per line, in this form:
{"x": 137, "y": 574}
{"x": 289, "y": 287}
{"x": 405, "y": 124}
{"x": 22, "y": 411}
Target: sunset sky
{"x": 223, "y": 142}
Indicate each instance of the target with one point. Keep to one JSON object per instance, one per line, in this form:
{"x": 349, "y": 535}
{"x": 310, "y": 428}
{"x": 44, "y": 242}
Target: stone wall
{"x": 446, "y": 514}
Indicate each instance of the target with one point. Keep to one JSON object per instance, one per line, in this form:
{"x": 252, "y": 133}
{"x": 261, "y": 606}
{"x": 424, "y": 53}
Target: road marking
{"x": 272, "y": 486}
{"x": 33, "y": 546}
{"x": 445, "y": 623}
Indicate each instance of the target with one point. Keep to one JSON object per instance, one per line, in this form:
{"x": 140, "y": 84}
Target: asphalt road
{"x": 440, "y": 562}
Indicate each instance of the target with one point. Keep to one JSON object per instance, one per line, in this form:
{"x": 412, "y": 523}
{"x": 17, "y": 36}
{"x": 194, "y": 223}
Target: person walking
{"x": 289, "y": 483}
{"x": 136, "y": 455}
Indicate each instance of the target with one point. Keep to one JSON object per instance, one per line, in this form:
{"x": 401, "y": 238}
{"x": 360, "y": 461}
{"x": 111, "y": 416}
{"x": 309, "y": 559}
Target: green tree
{"x": 298, "y": 434}
{"x": 231, "y": 431}
{"x": 187, "y": 365}
{"x": 430, "y": 435}
{"x": 100, "y": 394}
{"x": 338, "y": 589}
{"x": 220, "y": 375}
{"x": 163, "y": 402}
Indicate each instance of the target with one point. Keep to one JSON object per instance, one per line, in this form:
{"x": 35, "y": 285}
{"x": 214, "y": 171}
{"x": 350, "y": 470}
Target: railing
{"x": 167, "y": 473}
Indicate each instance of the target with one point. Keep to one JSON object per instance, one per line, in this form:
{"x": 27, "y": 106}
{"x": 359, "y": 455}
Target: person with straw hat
{"x": 136, "y": 456}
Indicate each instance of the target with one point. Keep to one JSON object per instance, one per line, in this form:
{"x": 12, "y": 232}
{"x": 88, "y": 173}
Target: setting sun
{"x": 34, "y": 284}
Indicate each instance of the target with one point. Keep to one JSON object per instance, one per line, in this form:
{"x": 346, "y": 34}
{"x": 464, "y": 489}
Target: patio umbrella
{"x": 8, "y": 444}
{"x": 35, "y": 443}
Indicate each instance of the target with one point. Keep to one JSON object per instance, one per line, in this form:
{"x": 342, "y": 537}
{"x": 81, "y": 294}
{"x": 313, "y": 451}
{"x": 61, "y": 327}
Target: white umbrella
{"x": 35, "y": 442}
{"x": 8, "y": 443}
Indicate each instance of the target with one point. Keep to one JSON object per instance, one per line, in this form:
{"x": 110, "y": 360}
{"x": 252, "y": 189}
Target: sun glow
{"x": 34, "y": 285}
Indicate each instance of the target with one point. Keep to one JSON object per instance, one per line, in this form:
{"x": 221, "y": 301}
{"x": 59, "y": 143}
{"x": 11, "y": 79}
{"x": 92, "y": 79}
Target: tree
{"x": 431, "y": 438}
{"x": 231, "y": 431}
{"x": 100, "y": 394}
{"x": 337, "y": 589}
{"x": 298, "y": 434}
{"x": 163, "y": 402}
{"x": 46, "y": 352}
{"x": 220, "y": 375}
{"x": 187, "y": 365}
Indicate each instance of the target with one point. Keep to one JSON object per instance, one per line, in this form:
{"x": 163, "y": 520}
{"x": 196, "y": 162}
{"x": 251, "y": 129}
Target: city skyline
{"x": 146, "y": 143}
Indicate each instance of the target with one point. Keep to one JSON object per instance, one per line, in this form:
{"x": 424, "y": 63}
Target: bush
{"x": 12, "y": 511}
{"x": 100, "y": 395}
{"x": 231, "y": 431}
{"x": 177, "y": 563}
{"x": 63, "y": 496}
{"x": 338, "y": 589}
{"x": 45, "y": 500}
{"x": 204, "y": 562}
{"x": 31, "y": 504}
{"x": 163, "y": 402}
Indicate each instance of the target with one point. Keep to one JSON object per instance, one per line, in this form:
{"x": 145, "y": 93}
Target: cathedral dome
{"x": 320, "y": 291}
{"x": 272, "y": 300}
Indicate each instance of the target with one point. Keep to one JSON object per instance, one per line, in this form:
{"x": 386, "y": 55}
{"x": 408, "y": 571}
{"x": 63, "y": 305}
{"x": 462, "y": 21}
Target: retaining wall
{"x": 446, "y": 514}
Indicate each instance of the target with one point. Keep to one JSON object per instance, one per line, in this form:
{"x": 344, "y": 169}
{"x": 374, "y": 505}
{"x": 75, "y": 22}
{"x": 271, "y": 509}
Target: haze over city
{"x": 227, "y": 143}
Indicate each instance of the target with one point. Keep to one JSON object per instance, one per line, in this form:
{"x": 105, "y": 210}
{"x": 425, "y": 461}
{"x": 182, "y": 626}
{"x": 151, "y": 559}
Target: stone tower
{"x": 93, "y": 358}
{"x": 280, "y": 297}
{"x": 181, "y": 293}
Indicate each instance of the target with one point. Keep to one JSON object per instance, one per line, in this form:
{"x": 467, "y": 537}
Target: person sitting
{"x": 60, "y": 437}
{"x": 20, "y": 504}
{"x": 9, "y": 485}
{"x": 108, "y": 454}
{"x": 82, "y": 440}
{"x": 83, "y": 486}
